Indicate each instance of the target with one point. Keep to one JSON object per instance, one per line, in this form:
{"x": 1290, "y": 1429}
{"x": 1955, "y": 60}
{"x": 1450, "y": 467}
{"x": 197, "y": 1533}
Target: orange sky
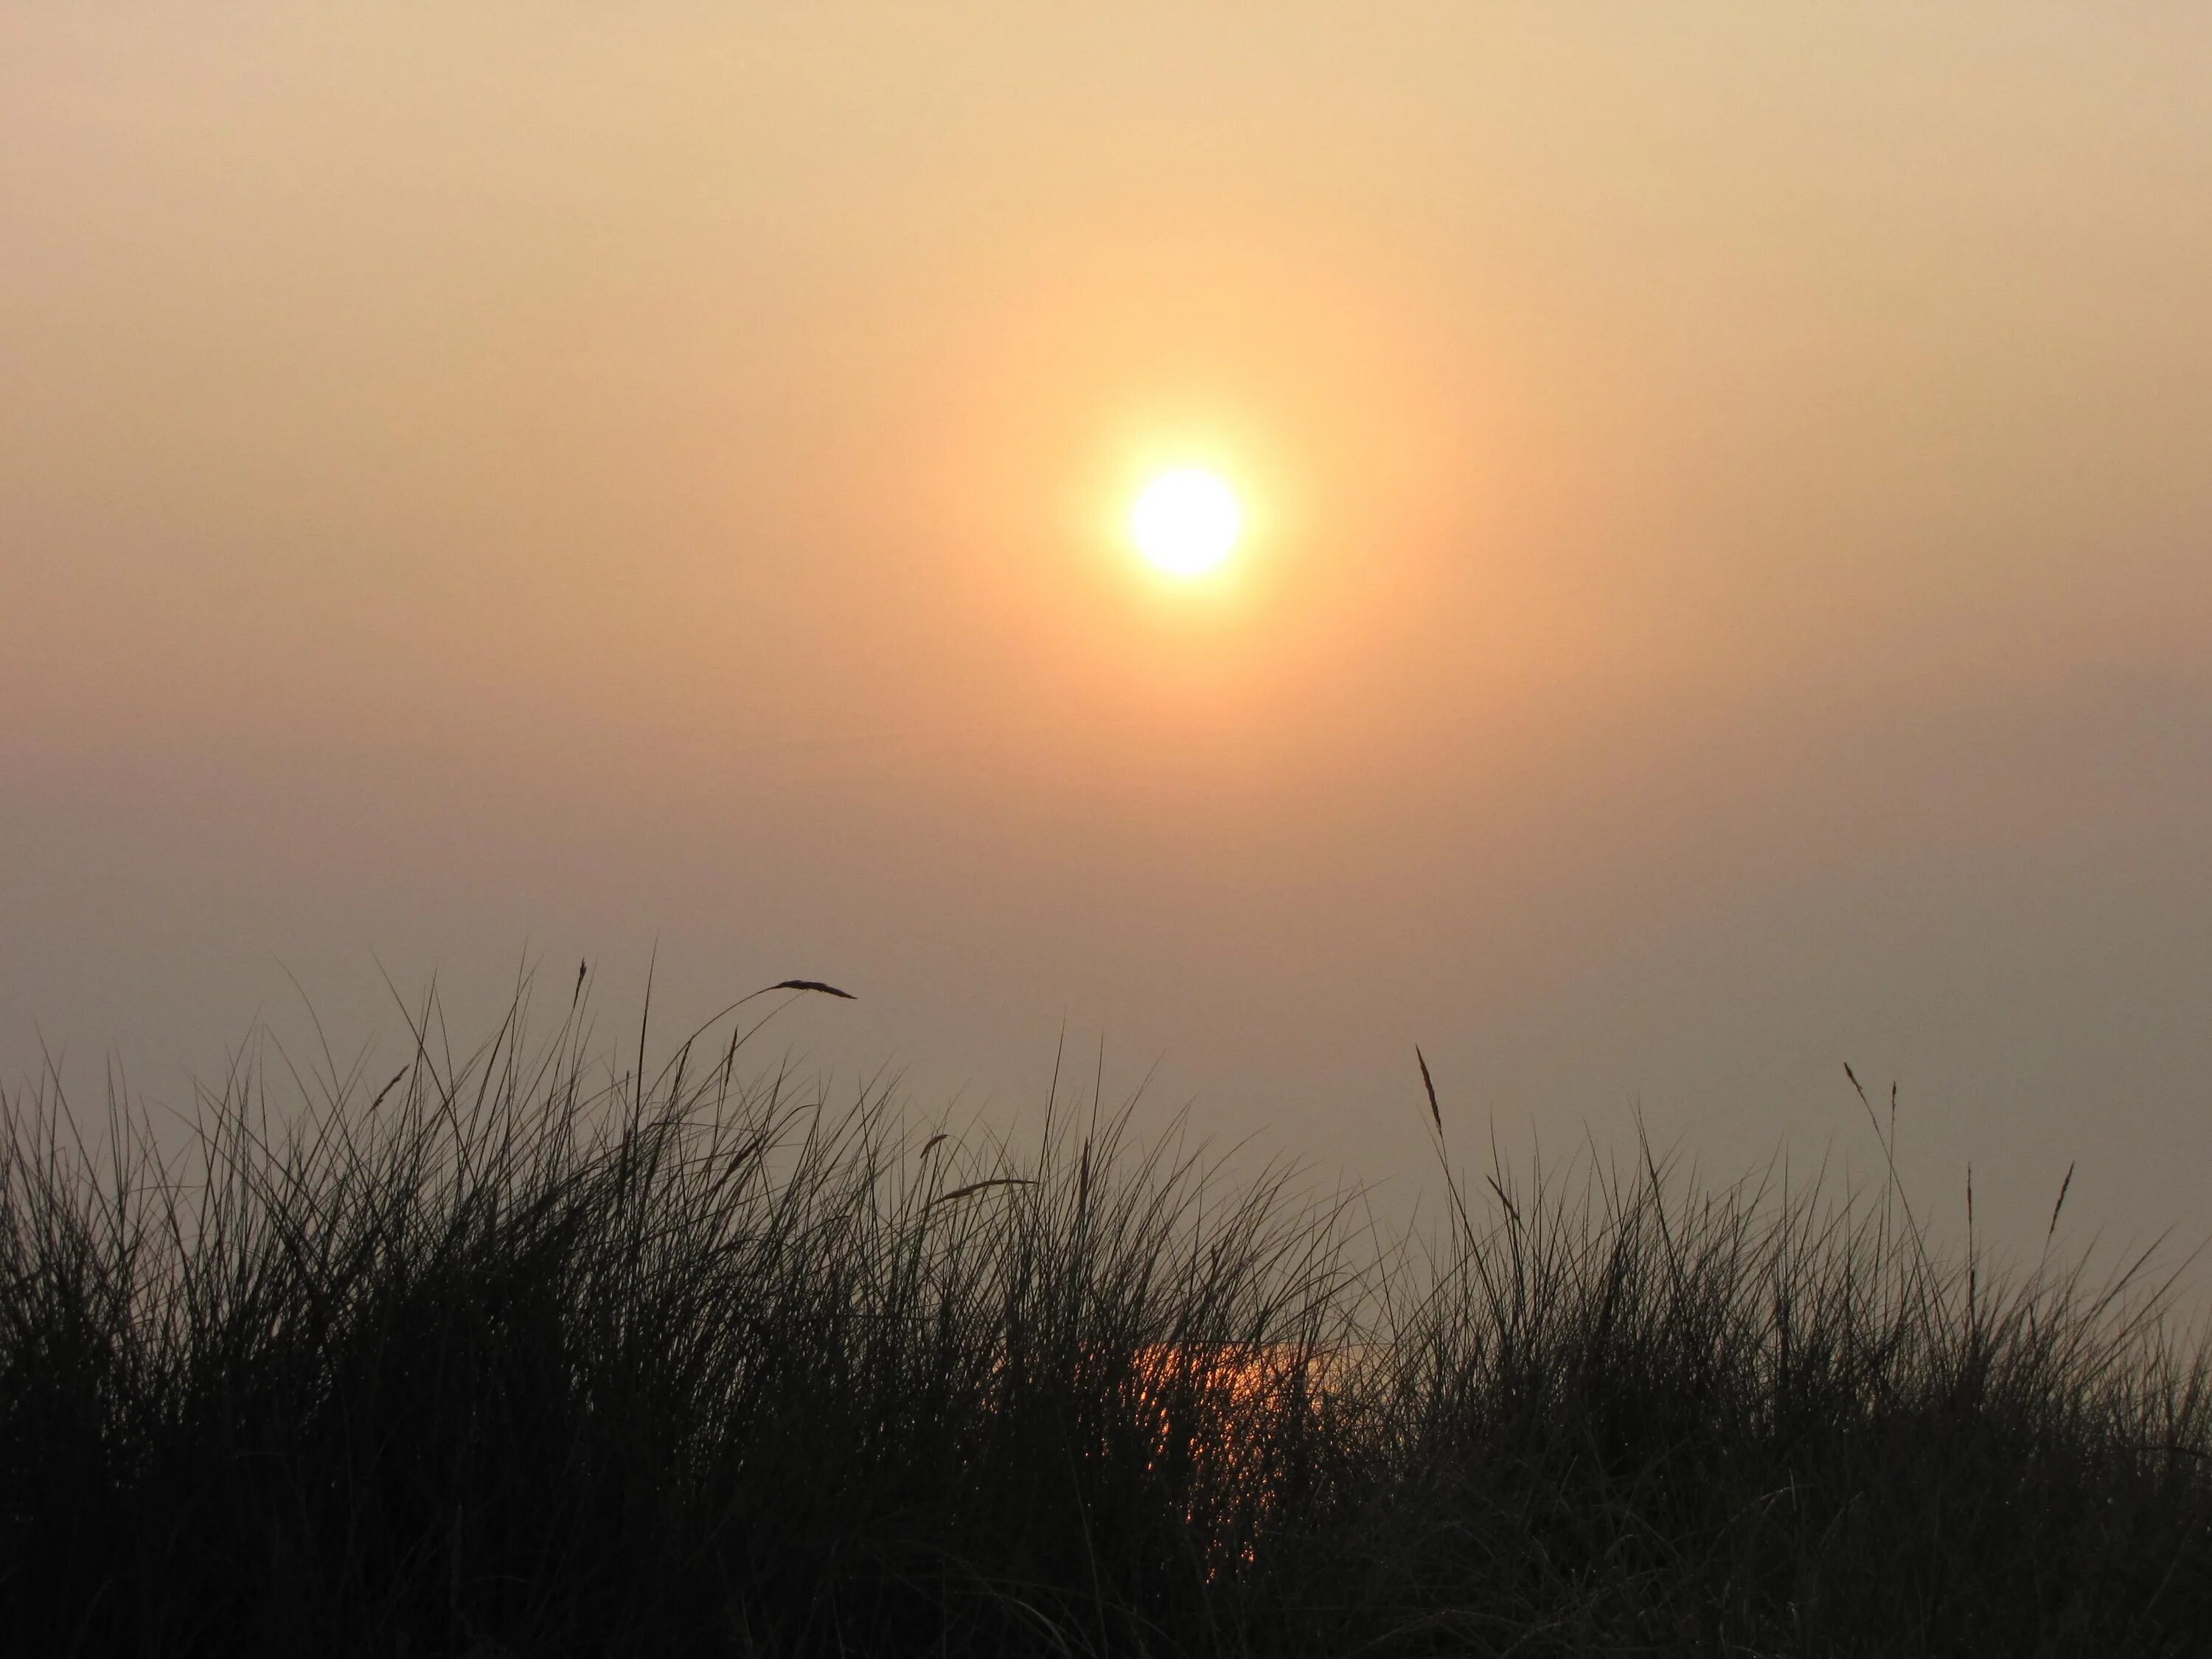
{"x": 1728, "y": 590}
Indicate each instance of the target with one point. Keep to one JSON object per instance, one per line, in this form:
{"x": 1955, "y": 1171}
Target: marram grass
{"x": 521, "y": 1354}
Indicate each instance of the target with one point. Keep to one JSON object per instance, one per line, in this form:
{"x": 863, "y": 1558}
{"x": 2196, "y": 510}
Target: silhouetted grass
{"x": 495, "y": 1358}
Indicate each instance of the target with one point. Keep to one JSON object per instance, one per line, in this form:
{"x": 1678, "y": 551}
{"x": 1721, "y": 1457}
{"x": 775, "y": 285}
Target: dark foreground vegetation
{"x": 510, "y": 1355}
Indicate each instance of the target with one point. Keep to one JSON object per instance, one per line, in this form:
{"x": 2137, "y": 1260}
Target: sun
{"x": 1186, "y": 522}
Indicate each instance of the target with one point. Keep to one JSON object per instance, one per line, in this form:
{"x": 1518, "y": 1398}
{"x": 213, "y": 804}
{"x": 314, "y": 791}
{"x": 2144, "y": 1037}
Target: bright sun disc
{"x": 1186, "y": 522}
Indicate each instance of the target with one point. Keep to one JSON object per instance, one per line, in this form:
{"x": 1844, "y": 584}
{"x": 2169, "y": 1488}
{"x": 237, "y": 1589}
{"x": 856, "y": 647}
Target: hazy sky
{"x": 1728, "y": 586}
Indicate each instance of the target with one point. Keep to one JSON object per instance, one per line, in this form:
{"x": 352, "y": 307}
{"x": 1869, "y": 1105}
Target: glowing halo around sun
{"x": 1186, "y": 522}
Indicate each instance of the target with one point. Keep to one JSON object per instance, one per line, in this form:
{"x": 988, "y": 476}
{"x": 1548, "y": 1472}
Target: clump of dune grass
{"x": 532, "y": 1352}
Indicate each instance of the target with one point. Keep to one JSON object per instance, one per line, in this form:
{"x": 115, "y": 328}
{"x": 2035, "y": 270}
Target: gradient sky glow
{"x": 1726, "y": 589}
